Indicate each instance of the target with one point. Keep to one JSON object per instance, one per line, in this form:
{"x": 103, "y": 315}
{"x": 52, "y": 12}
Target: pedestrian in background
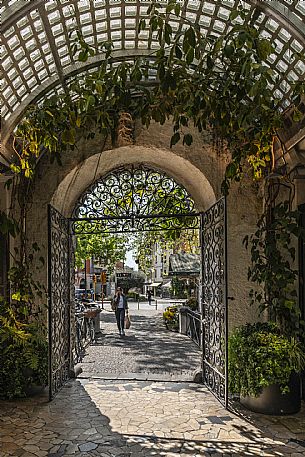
{"x": 120, "y": 307}
{"x": 149, "y": 296}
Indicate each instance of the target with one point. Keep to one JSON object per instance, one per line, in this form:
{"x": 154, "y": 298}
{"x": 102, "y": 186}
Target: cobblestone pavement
{"x": 116, "y": 417}
{"x": 142, "y": 419}
{"x": 148, "y": 351}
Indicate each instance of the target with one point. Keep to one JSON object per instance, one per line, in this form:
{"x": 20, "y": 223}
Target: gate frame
{"x": 54, "y": 391}
{"x": 224, "y": 375}
{"x": 70, "y": 232}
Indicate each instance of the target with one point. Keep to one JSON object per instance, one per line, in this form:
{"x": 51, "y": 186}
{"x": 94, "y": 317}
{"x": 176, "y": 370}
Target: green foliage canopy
{"x": 217, "y": 83}
{"x": 104, "y": 247}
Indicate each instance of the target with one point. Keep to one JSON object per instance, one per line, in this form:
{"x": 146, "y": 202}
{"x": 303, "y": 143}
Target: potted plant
{"x": 263, "y": 368}
{"x": 265, "y": 359}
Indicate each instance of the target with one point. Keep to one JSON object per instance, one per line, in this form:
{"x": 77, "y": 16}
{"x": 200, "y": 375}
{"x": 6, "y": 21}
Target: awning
{"x": 167, "y": 285}
{"x": 155, "y": 284}
{"x": 183, "y": 264}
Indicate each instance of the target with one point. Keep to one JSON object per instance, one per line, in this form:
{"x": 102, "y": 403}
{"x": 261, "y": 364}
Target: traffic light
{"x": 103, "y": 277}
{"x": 94, "y": 278}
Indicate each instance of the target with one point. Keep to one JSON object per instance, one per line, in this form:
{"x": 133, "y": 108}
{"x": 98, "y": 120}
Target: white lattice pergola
{"x": 37, "y": 59}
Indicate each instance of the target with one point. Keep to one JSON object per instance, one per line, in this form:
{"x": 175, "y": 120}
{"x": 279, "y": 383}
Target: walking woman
{"x": 120, "y": 306}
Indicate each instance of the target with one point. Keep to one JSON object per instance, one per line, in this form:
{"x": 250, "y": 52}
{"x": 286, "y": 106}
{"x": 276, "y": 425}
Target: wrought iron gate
{"x": 214, "y": 299}
{"x": 59, "y": 285}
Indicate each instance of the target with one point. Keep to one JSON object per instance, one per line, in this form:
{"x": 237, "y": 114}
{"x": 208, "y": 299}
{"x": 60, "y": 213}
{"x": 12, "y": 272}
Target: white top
{"x": 121, "y": 302}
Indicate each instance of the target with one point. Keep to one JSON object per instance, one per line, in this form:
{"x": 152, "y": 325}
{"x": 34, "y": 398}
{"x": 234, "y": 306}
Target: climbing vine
{"x": 222, "y": 84}
{"x": 273, "y": 252}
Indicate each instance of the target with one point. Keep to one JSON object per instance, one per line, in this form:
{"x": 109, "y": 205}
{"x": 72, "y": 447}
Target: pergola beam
{"x": 55, "y": 81}
{"x": 286, "y": 18}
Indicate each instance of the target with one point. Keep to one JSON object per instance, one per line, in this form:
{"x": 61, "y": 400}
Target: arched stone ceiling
{"x": 36, "y": 58}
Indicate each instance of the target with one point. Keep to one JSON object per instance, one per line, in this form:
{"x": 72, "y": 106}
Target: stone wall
{"x": 199, "y": 168}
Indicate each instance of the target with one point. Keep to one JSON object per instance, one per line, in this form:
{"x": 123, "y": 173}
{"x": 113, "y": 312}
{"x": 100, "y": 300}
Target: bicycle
{"x": 79, "y": 337}
{"x": 90, "y": 330}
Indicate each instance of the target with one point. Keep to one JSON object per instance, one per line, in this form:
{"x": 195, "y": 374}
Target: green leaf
{"x": 178, "y": 52}
{"x": 142, "y": 25}
{"x": 83, "y": 55}
{"x": 177, "y": 9}
{"x": 68, "y": 137}
{"x": 189, "y": 56}
{"x": 190, "y": 36}
{"x": 167, "y": 33}
{"x": 233, "y": 15}
{"x": 231, "y": 170}
{"x": 188, "y": 139}
{"x": 210, "y": 62}
{"x": 228, "y": 50}
{"x": 264, "y": 48}
{"x": 175, "y": 138}
{"x": 90, "y": 101}
{"x": 297, "y": 115}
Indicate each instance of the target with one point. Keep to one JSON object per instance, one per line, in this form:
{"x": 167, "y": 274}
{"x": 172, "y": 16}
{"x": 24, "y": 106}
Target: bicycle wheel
{"x": 78, "y": 344}
{"x": 91, "y": 331}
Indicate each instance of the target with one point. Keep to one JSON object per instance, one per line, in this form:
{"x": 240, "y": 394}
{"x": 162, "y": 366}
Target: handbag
{"x": 127, "y": 321}
{"x": 113, "y": 304}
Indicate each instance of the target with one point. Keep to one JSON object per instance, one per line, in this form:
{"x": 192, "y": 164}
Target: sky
{"x": 130, "y": 261}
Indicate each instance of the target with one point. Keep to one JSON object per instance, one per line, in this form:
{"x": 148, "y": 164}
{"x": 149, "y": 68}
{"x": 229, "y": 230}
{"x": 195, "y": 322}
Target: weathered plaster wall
{"x": 100, "y": 164}
{"x": 6, "y": 242}
{"x": 199, "y": 168}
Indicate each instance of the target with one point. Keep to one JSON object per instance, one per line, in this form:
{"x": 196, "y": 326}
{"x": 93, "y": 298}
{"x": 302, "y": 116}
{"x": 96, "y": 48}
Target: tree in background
{"x": 103, "y": 247}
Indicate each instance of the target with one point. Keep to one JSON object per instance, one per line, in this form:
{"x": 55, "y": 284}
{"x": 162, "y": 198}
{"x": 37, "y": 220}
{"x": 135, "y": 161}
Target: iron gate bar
{"x": 133, "y": 191}
{"x": 59, "y": 309}
{"x": 134, "y": 231}
{"x": 213, "y": 237}
{"x": 134, "y": 224}
{"x": 192, "y": 331}
{"x": 214, "y": 300}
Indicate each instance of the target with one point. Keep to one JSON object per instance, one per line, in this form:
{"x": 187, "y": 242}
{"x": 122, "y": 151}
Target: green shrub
{"x": 23, "y": 354}
{"x": 260, "y": 356}
{"x": 192, "y": 303}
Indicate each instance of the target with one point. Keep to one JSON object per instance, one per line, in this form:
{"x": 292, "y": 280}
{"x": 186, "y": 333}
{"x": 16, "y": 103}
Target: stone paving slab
{"x": 142, "y": 419}
{"x": 148, "y": 351}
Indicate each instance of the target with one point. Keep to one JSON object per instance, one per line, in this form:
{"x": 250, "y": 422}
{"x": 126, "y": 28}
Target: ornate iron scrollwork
{"x": 135, "y": 224}
{"x": 214, "y": 299}
{"x": 134, "y": 199}
{"x": 59, "y": 300}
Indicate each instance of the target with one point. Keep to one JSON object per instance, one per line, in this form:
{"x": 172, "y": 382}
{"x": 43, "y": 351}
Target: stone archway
{"x": 198, "y": 168}
{"x": 98, "y": 209}
{"x": 98, "y": 165}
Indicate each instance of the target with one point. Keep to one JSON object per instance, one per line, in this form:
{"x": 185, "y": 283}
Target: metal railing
{"x": 193, "y": 326}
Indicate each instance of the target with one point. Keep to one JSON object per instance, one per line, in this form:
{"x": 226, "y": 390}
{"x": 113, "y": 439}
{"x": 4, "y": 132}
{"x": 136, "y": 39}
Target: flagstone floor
{"x": 142, "y": 419}
{"x": 131, "y": 410}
